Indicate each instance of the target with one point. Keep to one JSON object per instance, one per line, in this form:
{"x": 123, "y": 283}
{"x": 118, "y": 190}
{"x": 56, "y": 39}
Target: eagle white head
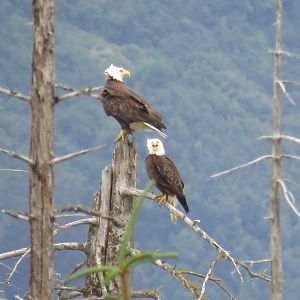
{"x": 155, "y": 146}
{"x": 116, "y": 73}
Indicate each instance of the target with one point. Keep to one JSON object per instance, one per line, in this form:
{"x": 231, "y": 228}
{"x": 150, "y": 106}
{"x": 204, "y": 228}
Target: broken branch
{"x": 60, "y": 159}
{"x": 75, "y": 93}
{"x": 16, "y": 155}
{"x": 13, "y": 170}
{"x": 14, "y": 94}
{"x": 289, "y": 197}
{"x": 248, "y": 164}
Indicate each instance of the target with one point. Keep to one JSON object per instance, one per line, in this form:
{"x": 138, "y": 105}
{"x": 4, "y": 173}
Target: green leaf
{"x": 112, "y": 274}
{"x": 147, "y": 257}
{"x": 158, "y": 255}
{"x": 130, "y": 225}
{"x": 94, "y": 269}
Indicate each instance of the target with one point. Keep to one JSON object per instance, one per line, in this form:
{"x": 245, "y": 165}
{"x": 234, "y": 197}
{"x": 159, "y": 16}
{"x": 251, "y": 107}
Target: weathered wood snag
{"x": 276, "y": 260}
{"x": 104, "y": 238}
{"x": 41, "y": 151}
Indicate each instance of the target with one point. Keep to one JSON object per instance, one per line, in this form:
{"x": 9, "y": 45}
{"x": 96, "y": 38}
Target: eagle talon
{"x": 121, "y": 135}
{"x": 161, "y": 198}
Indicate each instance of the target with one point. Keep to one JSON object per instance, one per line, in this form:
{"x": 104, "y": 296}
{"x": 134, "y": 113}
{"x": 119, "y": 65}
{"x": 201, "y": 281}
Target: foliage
{"x": 125, "y": 264}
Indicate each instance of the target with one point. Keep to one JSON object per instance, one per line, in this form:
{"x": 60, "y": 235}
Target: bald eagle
{"x": 168, "y": 180}
{"x": 131, "y": 111}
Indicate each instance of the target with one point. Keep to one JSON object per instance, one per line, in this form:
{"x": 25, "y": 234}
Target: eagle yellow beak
{"x": 125, "y": 73}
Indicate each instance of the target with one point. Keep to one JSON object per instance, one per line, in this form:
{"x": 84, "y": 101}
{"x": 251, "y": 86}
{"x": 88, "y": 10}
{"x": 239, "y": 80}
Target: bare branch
{"x": 281, "y": 136}
{"x": 281, "y": 52}
{"x": 63, "y": 87}
{"x": 74, "y": 292}
{"x": 289, "y": 197}
{"x": 60, "y": 159}
{"x": 146, "y": 294}
{"x": 58, "y": 247}
{"x": 86, "y": 221}
{"x": 291, "y": 82}
{"x": 13, "y": 170}
{"x": 75, "y": 208}
{"x": 14, "y": 253}
{"x": 16, "y": 155}
{"x": 14, "y": 94}
{"x": 219, "y": 283}
{"x": 16, "y": 265}
{"x": 255, "y": 262}
{"x": 70, "y": 246}
{"x": 16, "y": 214}
{"x": 291, "y": 156}
{"x": 189, "y": 272}
{"x": 75, "y": 93}
{"x": 192, "y": 224}
{"x": 172, "y": 270}
{"x": 248, "y": 164}
{"x": 70, "y": 215}
{"x": 79, "y": 208}
{"x": 285, "y": 92}
{"x": 289, "y": 54}
{"x": 251, "y": 273}
{"x": 211, "y": 267}
{"x": 290, "y": 138}
{"x": 179, "y": 275}
{"x": 78, "y": 267}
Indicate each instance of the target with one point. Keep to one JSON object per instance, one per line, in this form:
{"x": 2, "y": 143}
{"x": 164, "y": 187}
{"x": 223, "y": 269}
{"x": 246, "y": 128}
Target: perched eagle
{"x": 126, "y": 106}
{"x": 163, "y": 170}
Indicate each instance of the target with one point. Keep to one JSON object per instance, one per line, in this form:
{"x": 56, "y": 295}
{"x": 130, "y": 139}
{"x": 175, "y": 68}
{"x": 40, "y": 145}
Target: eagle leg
{"x": 121, "y": 135}
{"x": 161, "y": 198}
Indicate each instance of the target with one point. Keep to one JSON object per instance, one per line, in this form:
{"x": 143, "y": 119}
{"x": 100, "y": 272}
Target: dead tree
{"x": 278, "y": 184}
{"x": 41, "y": 151}
{"x": 276, "y": 263}
{"x": 104, "y": 238}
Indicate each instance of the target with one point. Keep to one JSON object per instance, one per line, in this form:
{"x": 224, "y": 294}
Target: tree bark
{"x": 41, "y": 151}
{"x": 276, "y": 261}
{"x": 104, "y": 239}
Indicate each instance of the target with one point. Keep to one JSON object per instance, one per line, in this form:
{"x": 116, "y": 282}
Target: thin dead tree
{"x": 278, "y": 184}
{"x": 41, "y": 151}
{"x": 276, "y": 261}
{"x": 41, "y": 159}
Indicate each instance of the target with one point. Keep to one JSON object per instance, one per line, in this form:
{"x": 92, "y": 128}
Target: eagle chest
{"x": 154, "y": 166}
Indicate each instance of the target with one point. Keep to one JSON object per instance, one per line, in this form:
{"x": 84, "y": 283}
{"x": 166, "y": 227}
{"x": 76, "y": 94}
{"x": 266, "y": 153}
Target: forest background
{"x": 205, "y": 66}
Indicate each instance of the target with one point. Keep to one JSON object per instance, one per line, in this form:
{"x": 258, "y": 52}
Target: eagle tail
{"x": 151, "y": 127}
{"x": 183, "y": 202}
{"x": 173, "y": 201}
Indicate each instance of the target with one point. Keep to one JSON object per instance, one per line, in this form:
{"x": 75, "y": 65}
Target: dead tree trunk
{"x": 104, "y": 238}
{"x": 276, "y": 153}
{"x": 41, "y": 151}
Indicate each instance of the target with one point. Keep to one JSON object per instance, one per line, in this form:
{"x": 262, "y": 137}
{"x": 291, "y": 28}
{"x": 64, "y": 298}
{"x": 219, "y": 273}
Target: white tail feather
{"x": 156, "y": 130}
{"x": 140, "y": 126}
{"x": 173, "y": 201}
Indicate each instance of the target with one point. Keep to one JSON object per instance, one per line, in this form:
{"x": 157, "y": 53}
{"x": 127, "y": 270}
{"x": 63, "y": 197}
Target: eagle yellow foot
{"x": 161, "y": 198}
{"x": 121, "y": 135}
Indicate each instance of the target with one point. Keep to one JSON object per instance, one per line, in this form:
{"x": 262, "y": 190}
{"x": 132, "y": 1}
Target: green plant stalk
{"x": 130, "y": 225}
{"x": 125, "y": 284}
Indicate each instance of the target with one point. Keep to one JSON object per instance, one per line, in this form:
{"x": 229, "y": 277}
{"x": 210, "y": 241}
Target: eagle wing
{"x": 168, "y": 180}
{"x": 171, "y": 176}
{"x": 129, "y": 105}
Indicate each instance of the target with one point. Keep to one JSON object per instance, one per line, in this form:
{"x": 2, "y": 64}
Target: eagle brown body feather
{"x": 126, "y": 106}
{"x": 168, "y": 180}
